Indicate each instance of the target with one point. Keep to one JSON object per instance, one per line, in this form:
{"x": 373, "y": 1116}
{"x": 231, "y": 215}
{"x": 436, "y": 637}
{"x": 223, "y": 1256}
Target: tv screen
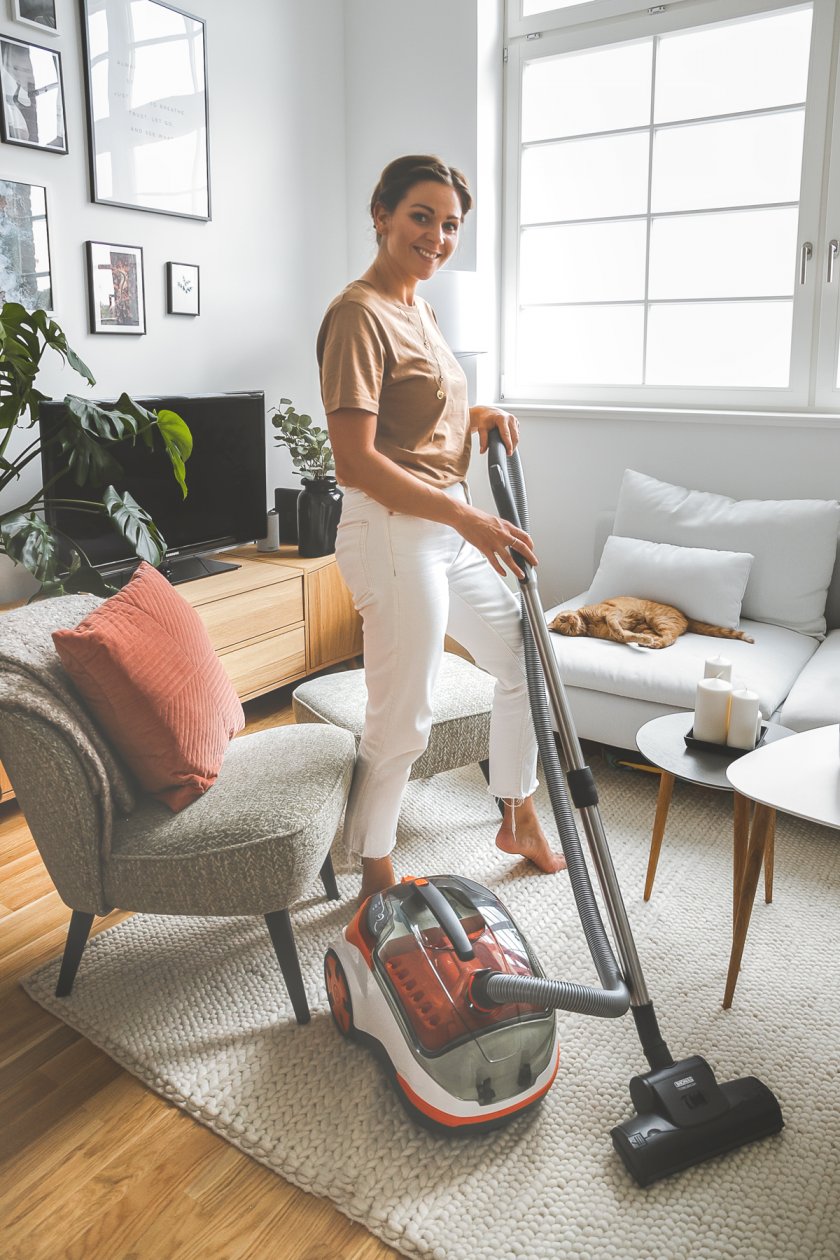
{"x": 226, "y": 483}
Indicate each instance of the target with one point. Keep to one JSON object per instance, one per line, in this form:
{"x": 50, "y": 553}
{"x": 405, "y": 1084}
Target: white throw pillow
{"x": 706, "y": 585}
{"x": 793, "y": 542}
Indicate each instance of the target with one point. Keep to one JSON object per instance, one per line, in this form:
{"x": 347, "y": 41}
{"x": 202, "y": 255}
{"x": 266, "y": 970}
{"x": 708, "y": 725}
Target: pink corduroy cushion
{"x": 144, "y": 665}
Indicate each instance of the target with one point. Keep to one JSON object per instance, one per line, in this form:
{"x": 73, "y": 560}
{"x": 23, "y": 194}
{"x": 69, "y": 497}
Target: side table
{"x": 662, "y": 741}
{"x": 799, "y": 777}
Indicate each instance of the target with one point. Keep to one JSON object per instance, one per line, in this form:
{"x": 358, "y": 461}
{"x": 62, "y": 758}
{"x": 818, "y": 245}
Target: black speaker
{"x": 285, "y": 501}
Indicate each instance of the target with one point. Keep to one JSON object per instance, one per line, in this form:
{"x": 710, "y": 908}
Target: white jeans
{"x": 413, "y": 581}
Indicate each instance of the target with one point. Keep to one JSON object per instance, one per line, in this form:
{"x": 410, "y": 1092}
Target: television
{"x": 226, "y": 484}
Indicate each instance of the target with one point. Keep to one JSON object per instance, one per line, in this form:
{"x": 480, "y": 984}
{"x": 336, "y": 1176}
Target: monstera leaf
{"x": 87, "y": 440}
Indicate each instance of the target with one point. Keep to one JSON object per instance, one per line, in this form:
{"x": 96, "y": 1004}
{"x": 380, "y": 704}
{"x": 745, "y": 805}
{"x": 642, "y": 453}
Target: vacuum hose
{"x": 613, "y": 1000}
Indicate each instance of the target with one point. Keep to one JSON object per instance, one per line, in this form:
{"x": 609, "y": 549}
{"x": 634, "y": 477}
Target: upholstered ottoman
{"x": 460, "y": 724}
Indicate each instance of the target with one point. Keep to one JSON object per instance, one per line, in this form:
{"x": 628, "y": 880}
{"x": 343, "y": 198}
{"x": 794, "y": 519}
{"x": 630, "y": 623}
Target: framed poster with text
{"x": 146, "y": 85}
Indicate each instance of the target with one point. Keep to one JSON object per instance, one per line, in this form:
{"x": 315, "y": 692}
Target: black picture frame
{"x": 40, "y": 14}
{"x": 31, "y": 96}
{"x": 116, "y": 288}
{"x": 25, "y": 245}
{"x": 183, "y": 289}
{"x": 155, "y": 155}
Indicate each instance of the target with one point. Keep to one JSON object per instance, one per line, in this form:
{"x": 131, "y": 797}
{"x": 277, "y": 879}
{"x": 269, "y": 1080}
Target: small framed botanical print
{"x": 182, "y": 289}
{"x": 115, "y": 288}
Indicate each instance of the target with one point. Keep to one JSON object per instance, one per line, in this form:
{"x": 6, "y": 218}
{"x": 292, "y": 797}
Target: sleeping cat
{"x": 627, "y": 619}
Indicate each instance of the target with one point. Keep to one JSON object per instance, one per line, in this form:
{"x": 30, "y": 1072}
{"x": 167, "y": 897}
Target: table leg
{"x": 663, "y": 804}
{"x": 769, "y": 853}
{"x": 762, "y": 821}
{"x": 741, "y": 809}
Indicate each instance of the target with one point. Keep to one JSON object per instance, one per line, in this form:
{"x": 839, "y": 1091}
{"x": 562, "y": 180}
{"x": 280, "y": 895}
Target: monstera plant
{"x": 84, "y": 443}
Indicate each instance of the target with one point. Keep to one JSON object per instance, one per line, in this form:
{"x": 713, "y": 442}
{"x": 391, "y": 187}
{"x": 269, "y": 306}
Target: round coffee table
{"x": 662, "y": 742}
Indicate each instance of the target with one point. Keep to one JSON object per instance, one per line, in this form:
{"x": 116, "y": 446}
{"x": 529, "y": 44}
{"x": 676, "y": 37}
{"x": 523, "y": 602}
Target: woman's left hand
{"x": 485, "y": 419}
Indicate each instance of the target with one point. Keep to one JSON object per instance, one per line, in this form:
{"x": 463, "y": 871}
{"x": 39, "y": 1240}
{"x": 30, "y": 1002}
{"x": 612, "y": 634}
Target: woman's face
{"x": 421, "y": 233}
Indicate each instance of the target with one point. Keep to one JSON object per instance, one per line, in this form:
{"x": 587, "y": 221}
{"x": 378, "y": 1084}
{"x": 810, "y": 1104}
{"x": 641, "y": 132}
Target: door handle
{"x": 833, "y": 250}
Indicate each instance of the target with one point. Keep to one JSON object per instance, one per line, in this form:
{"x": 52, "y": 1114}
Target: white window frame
{"x": 801, "y": 394}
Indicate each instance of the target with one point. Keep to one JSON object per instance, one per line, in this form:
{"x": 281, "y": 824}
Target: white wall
{"x": 269, "y": 257}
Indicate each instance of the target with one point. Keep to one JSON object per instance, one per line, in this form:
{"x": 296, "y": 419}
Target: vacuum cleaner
{"x": 438, "y": 980}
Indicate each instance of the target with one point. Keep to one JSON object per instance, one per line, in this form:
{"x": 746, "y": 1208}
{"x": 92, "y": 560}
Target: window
{"x": 663, "y": 200}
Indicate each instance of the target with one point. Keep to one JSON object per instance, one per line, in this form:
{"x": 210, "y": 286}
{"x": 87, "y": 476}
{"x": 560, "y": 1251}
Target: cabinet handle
{"x": 805, "y": 254}
{"x": 833, "y": 250}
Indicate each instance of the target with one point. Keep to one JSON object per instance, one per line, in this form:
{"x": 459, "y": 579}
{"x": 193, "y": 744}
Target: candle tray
{"x": 702, "y": 746}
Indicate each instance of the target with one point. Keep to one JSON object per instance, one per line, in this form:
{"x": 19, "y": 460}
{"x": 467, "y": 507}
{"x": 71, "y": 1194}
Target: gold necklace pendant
{"x": 441, "y": 394}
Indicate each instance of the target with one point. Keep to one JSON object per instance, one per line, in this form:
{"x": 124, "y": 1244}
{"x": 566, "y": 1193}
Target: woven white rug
{"x": 195, "y": 1009}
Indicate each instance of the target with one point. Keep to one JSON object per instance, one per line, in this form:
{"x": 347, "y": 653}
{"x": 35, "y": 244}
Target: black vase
{"x": 318, "y": 514}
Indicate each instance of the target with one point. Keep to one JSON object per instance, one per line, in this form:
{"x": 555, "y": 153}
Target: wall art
{"x": 32, "y": 105}
{"x": 115, "y": 288}
{"x": 182, "y": 289}
{"x": 25, "y": 246}
{"x": 146, "y": 86}
{"x": 38, "y": 13}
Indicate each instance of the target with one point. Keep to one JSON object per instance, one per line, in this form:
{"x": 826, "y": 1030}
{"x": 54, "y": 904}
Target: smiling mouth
{"x": 425, "y": 253}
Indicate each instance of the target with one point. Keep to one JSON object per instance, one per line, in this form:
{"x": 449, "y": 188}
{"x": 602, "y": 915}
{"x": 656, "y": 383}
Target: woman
{"x": 418, "y": 558}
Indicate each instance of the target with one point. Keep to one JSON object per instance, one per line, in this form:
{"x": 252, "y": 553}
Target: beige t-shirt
{"x": 373, "y": 357}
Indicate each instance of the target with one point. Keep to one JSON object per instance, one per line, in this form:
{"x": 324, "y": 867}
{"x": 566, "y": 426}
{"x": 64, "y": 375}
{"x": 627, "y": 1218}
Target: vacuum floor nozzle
{"x": 685, "y": 1117}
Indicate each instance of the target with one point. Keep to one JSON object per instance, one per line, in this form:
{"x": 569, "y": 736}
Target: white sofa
{"x": 790, "y": 605}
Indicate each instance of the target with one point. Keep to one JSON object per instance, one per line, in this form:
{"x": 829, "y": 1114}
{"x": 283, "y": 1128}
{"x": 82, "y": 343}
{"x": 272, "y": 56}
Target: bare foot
{"x": 377, "y": 875}
{"x": 527, "y": 839}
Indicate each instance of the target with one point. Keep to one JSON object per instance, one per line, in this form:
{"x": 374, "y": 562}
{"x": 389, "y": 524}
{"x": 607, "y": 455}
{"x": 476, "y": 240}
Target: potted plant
{"x": 83, "y": 439}
{"x": 319, "y": 502}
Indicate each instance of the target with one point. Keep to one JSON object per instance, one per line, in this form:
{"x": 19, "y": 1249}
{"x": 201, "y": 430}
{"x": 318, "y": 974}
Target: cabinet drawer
{"x": 261, "y": 666}
{"x": 252, "y": 613}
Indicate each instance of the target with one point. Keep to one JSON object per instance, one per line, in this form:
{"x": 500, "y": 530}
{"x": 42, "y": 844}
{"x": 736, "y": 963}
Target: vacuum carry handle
{"x": 447, "y": 918}
{"x": 505, "y": 504}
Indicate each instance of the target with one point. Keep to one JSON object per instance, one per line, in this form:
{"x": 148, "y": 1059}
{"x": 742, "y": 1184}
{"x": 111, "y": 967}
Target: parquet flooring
{"x": 93, "y": 1166}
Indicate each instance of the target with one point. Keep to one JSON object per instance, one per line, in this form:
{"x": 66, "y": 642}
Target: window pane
{"x": 571, "y": 345}
{"x": 740, "y": 66}
{"x": 720, "y": 343}
{"x": 591, "y": 262}
{"x": 744, "y": 161}
{"x": 585, "y": 179}
{"x": 750, "y": 253}
{"x": 581, "y": 92}
{"x": 530, "y": 7}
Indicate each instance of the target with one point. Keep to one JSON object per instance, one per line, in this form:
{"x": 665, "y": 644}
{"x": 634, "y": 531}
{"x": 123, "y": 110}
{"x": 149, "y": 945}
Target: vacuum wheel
{"x": 338, "y": 992}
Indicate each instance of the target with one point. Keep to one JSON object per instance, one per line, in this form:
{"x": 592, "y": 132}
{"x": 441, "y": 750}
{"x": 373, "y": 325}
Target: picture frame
{"x": 116, "y": 289}
{"x": 183, "y": 292}
{"x": 147, "y": 151}
{"x": 31, "y": 96}
{"x": 25, "y": 269}
{"x": 38, "y": 13}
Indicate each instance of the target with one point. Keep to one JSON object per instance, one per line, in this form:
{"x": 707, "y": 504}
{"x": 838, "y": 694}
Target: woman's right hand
{"x": 496, "y": 539}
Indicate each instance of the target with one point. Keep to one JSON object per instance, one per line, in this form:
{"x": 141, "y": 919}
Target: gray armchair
{"x": 253, "y": 844}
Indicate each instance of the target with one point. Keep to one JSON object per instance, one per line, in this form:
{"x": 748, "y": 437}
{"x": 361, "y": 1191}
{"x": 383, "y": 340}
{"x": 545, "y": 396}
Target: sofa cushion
{"x": 144, "y": 664}
{"x": 814, "y": 698}
{"x": 669, "y": 676}
{"x": 706, "y": 585}
{"x": 793, "y": 542}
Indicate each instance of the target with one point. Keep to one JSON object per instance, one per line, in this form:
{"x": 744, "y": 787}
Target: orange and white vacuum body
{"x": 399, "y": 980}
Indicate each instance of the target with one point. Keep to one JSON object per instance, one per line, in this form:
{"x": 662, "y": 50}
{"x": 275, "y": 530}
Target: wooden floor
{"x": 95, "y": 1166}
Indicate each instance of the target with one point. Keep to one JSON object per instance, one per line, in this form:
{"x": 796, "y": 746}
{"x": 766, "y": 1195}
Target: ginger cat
{"x": 627, "y": 619}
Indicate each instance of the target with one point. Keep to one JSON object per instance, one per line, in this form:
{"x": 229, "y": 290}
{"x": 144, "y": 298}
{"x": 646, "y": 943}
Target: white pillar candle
{"x": 718, "y": 667}
{"x": 711, "y": 710}
{"x": 743, "y": 719}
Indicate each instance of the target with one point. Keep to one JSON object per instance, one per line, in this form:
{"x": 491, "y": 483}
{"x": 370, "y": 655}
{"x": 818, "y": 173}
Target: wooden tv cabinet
{"x": 276, "y": 618}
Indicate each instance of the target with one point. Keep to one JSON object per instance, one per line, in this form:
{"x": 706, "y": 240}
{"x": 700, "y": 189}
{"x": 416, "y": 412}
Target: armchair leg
{"x": 328, "y": 879}
{"x": 77, "y": 934}
{"x": 484, "y": 766}
{"x": 282, "y": 938}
